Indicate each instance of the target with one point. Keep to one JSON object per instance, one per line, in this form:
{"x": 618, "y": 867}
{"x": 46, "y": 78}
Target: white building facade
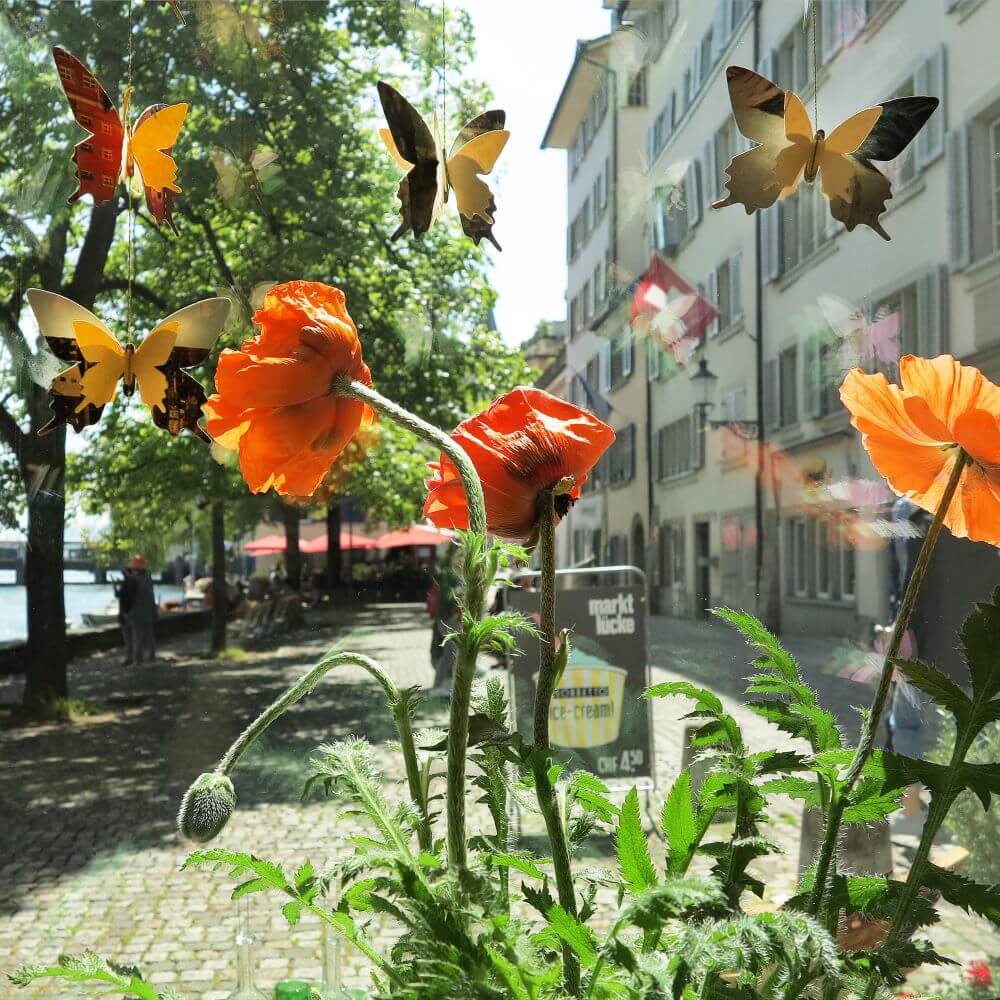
{"x": 796, "y": 527}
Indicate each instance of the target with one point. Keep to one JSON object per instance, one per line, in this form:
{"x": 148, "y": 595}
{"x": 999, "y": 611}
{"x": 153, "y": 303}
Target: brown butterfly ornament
{"x": 432, "y": 174}
{"x": 789, "y": 150}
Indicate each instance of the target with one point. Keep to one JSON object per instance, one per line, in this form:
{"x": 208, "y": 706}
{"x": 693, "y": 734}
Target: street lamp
{"x": 704, "y": 382}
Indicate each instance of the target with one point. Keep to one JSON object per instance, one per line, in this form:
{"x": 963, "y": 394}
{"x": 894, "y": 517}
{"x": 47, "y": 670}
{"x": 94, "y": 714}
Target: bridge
{"x": 75, "y": 556}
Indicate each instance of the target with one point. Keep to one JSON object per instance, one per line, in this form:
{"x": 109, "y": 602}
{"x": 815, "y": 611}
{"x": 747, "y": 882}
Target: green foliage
{"x": 92, "y": 968}
{"x": 634, "y": 862}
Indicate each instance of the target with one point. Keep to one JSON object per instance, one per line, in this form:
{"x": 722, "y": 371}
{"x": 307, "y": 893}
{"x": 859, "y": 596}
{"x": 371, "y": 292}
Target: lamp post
{"x": 704, "y": 381}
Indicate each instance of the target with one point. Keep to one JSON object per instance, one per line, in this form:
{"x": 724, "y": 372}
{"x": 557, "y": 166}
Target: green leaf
{"x": 980, "y": 634}
{"x": 291, "y": 912}
{"x": 575, "y": 934}
{"x": 973, "y": 897}
{"x": 680, "y": 824}
{"x": 251, "y": 886}
{"x": 510, "y": 974}
{"x": 522, "y": 863}
{"x": 941, "y": 688}
{"x": 592, "y": 794}
{"x": 634, "y": 861}
{"x": 674, "y": 897}
{"x": 89, "y": 967}
{"x": 795, "y": 787}
{"x": 775, "y": 657}
{"x": 706, "y": 701}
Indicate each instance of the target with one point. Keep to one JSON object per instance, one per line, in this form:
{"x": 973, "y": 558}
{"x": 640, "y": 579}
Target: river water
{"x": 81, "y": 597}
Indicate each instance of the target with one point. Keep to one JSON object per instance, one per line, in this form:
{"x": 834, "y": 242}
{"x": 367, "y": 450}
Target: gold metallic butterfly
{"x": 790, "y": 151}
{"x": 98, "y": 362}
{"x": 431, "y": 175}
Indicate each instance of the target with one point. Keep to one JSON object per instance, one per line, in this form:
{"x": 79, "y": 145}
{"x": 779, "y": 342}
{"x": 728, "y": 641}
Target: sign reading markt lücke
{"x": 598, "y": 715}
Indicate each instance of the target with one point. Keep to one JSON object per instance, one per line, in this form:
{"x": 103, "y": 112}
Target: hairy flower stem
{"x": 839, "y": 800}
{"x": 540, "y": 758}
{"x": 304, "y": 686}
{"x": 346, "y": 386}
{"x": 474, "y": 603}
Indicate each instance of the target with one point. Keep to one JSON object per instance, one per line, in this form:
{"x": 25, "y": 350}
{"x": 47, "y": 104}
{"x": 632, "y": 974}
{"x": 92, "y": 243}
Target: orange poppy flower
{"x": 526, "y": 442}
{"x": 913, "y": 433}
{"x": 274, "y": 400}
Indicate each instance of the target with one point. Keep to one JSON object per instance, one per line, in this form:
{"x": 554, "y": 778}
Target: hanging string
{"x": 130, "y": 218}
{"x": 815, "y": 47}
{"x": 444, "y": 75}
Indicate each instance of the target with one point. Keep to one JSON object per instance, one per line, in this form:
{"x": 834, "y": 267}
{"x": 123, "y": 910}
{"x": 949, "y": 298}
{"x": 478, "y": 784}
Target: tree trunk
{"x": 333, "y": 546}
{"x": 220, "y": 591}
{"x": 43, "y": 466}
{"x": 293, "y": 557}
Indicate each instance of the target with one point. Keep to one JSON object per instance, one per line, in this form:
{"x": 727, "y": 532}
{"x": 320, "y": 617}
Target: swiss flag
{"x": 666, "y": 307}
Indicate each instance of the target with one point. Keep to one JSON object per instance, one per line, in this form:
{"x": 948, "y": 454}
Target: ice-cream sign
{"x": 613, "y": 615}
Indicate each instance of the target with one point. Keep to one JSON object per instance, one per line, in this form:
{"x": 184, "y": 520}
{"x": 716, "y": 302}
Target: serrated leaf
{"x": 776, "y": 657}
{"x": 291, "y": 911}
{"x": 973, "y": 897}
{"x": 680, "y": 824}
{"x": 540, "y": 899}
{"x": 251, "y": 886}
{"x": 707, "y": 701}
{"x": 522, "y": 863}
{"x": 939, "y": 686}
{"x": 575, "y": 934}
{"x": 634, "y": 862}
{"x": 979, "y": 634}
{"x": 304, "y": 876}
{"x": 803, "y": 789}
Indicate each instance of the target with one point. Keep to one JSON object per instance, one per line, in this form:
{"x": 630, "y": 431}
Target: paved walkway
{"x": 91, "y": 858}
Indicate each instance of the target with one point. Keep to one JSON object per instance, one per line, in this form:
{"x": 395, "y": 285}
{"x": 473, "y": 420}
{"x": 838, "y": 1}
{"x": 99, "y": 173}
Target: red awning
{"x": 414, "y": 535}
{"x": 347, "y": 541}
{"x": 266, "y": 545}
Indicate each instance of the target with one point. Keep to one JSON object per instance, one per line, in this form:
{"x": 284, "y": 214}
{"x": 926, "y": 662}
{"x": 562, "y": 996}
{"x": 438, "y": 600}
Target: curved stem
{"x": 345, "y": 386}
{"x": 540, "y": 758}
{"x": 867, "y": 742}
{"x": 303, "y": 686}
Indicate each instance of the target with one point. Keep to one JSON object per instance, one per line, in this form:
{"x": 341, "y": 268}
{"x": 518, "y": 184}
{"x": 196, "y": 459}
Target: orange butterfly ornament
{"x": 789, "y": 150}
{"x": 114, "y": 149}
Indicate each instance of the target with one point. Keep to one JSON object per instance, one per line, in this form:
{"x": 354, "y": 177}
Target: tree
{"x": 283, "y": 178}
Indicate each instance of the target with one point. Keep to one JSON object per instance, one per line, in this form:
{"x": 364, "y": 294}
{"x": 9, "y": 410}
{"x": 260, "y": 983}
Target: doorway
{"x": 702, "y": 569}
{"x": 639, "y": 545}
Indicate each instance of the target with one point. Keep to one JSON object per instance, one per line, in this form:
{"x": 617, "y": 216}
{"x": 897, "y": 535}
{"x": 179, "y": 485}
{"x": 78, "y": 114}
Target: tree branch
{"x": 11, "y": 432}
{"x": 220, "y": 258}
{"x": 87, "y": 279}
{"x": 139, "y": 289}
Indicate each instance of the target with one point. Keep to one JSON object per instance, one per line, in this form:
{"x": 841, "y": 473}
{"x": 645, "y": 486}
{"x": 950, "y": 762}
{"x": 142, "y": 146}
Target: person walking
{"x": 143, "y": 614}
{"x": 125, "y": 592}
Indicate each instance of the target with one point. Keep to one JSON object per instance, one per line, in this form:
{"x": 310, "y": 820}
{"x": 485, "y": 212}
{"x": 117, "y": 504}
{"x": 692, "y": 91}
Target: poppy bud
{"x": 206, "y": 807}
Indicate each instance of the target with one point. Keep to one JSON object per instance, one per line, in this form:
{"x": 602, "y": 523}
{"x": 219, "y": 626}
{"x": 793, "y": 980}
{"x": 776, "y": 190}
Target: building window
{"x": 676, "y": 450}
{"x": 824, "y": 583}
{"x": 734, "y": 407}
{"x": 995, "y": 179}
{"x": 672, "y": 555}
{"x": 574, "y": 315}
{"x": 621, "y": 456}
{"x": 621, "y": 359}
{"x": 788, "y": 395}
{"x": 847, "y": 569}
{"x": 792, "y": 59}
{"x": 636, "y": 97}
{"x": 585, "y": 295}
{"x": 797, "y": 564}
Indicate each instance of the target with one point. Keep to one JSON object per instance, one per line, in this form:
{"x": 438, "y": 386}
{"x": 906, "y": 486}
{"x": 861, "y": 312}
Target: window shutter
{"x": 772, "y": 409}
{"x": 831, "y": 28}
{"x": 811, "y": 376}
{"x": 930, "y": 80}
{"x": 605, "y": 366}
{"x": 697, "y": 439}
{"x": 628, "y": 353}
{"x": 607, "y": 182}
{"x": 694, "y": 197}
{"x": 720, "y": 29}
{"x": 711, "y": 174}
{"x": 712, "y": 294}
{"x": 959, "y": 219}
{"x": 735, "y": 292}
{"x": 770, "y": 220}
{"x": 631, "y": 441}
{"x": 931, "y": 313}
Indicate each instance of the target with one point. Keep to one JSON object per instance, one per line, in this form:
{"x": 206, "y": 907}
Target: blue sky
{"x": 524, "y": 50}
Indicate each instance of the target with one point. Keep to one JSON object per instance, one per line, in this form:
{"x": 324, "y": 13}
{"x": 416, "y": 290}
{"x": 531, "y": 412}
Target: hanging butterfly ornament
{"x": 431, "y": 175}
{"x": 790, "y": 151}
{"x": 98, "y": 362}
{"x": 114, "y": 149}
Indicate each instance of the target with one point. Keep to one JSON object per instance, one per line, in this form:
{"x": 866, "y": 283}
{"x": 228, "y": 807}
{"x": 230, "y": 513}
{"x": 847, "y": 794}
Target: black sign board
{"x": 597, "y": 715}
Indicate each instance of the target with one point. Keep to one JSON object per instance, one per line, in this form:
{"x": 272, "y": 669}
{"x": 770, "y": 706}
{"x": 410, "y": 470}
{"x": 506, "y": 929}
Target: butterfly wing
{"x": 196, "y": 328}
{"x": 98, "y": 156}
{"x": 759, "y": 109}
{"x": 56, "y": 316}
{"x": 149, "y": 147}
{"x": 159, "y": 202}
{"x": 105, "y": 359}
{"x": 414, "y": 150}
{"x": 869, "y": 189}
{"x": 473, "y": 196}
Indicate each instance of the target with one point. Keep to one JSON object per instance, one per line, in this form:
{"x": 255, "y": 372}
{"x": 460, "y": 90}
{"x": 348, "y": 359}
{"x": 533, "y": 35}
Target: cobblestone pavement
{"x": 89, "y": 853}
